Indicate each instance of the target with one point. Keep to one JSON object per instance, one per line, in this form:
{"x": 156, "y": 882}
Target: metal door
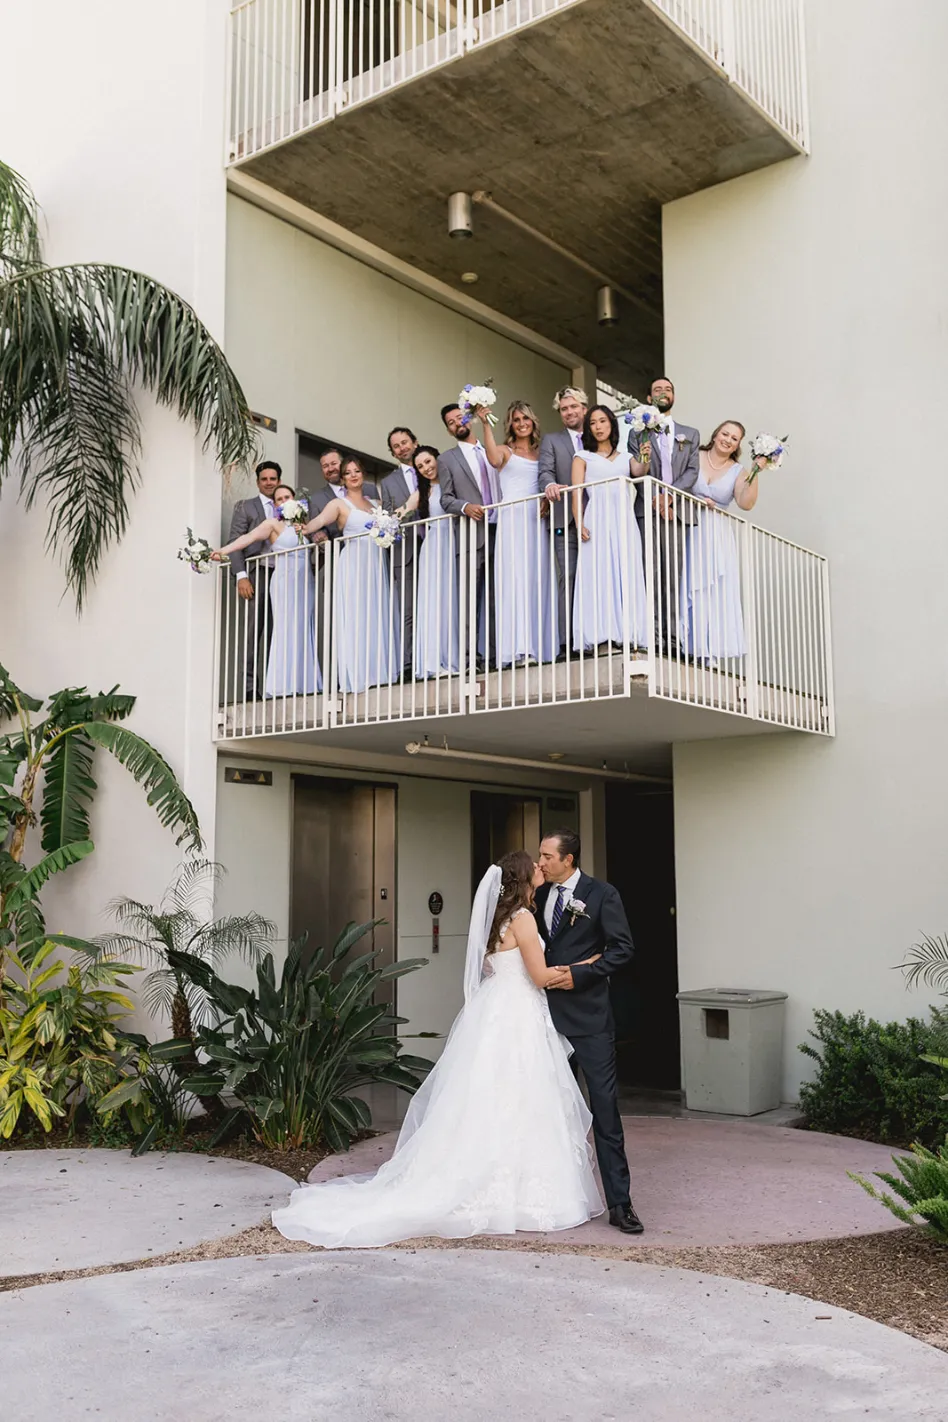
{"x": 344, "y": 863}
{"x": 499, "y": 824}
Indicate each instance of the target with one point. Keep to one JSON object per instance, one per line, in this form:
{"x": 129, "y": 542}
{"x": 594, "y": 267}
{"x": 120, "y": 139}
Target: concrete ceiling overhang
{"x": 584, "y": 125}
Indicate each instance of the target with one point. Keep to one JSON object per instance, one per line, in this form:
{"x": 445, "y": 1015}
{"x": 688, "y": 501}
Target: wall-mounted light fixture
{"x": 460, "y": 218}
{"x": 607, "y": 306}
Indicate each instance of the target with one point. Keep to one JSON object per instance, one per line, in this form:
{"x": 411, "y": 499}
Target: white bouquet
{"x": 385, "y": 529}
{"x": 197, "y": 552}
{"x": 642, "y": 419}
{"x": 473, "y": 397}
{"x": 295, "y": 512}
{"x": 767, "y": 452}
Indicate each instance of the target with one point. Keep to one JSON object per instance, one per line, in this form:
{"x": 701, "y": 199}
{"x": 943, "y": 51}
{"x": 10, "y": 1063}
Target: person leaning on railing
{"x": 396, "y": 490}
{"x": 556, "y": 463}
{"x": 435, "y": 650}
{"x": 253, "y": 626}
{"x": 712, "y": 621}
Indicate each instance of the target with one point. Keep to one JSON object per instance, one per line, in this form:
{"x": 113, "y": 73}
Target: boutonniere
{"x": 680, "y": 438}
{"x": 576, "y": 909}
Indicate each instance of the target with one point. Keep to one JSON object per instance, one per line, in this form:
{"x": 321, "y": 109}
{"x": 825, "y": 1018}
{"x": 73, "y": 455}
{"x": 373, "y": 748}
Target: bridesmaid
{"x": 436, "y": 591}
{"x": 609, "y": 564}
{"x": 292, "y": 667}
{"x": 364, "y": 627}
{"x": 524, "y": 593}
{"x": 712, "y": 623}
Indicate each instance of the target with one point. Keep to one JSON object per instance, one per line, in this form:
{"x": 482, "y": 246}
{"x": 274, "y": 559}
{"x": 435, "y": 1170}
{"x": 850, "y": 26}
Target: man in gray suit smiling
{"x": 254, "y": 624}
{"x": 468, "y": 485}
{"x": 397, "y": 489}
{"x": 555, "y": 470}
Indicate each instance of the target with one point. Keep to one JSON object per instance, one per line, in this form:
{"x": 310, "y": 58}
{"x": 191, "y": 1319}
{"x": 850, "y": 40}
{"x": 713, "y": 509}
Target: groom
{"x": 579, "y": 917}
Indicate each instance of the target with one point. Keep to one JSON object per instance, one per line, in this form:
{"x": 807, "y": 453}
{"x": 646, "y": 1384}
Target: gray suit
{"x": 669, "y": 544}
{"x": 253, "y": 623}
{"x": 556, "y": 467}
{"x": 395, "y": 493}
{"x": 459, "y": 487}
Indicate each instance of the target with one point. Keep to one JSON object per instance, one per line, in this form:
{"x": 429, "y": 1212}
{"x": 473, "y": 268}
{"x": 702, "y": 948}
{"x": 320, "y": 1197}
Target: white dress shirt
{"x": 469, "y": 449}
{"x": 570, "y": 886}
{"x": 577, "y": 440}
{"x": 668, "y": 475}
{"x": 411, "y": 478}
{"x": 269, "y": 511}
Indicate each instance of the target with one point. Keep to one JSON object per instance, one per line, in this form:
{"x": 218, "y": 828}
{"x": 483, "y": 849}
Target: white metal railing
{"x": 668, "y": 597}
{"x": 294, "y": 64}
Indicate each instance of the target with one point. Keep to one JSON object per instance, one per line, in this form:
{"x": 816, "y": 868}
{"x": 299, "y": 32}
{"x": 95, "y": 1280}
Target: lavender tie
{"x": 664, "y": 445}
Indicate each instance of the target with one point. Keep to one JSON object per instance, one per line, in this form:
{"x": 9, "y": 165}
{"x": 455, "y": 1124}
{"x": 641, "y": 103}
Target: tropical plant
{"x": 922, "y": 1190}
{"x": 58, "y": 1037}
{"x": 927, "y": 962}
{"x": 58, "y": 751}
{"x": 150, "y": 1091}
{"x": 294, "y": 1052}
{"x": 183, "y": 922}
{"x": 873, "y": 1080}
{"x": 73, "y": 341}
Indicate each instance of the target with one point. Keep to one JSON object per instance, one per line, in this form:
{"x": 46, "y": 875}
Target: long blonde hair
{"x": 520, "y": 407}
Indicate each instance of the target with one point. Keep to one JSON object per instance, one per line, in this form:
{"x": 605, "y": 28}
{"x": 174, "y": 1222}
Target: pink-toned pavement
{"x": 715, "y": 1182}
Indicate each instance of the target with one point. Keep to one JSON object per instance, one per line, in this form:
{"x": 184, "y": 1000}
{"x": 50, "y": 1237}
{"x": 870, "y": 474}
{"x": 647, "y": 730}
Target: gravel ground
{"x": 899, "y": 1278}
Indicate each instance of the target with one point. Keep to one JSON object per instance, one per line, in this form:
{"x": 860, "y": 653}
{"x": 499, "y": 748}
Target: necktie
{"x": 271, "y": 509}
{"x": 557, "y": 909}
{"x": 487, "y": 493}
{"x": 664, "y": 445}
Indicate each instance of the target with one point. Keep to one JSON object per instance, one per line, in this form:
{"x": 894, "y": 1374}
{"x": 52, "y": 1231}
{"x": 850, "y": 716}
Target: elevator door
{"x": 500, "y": 823}
{"x": 344, "y": 864}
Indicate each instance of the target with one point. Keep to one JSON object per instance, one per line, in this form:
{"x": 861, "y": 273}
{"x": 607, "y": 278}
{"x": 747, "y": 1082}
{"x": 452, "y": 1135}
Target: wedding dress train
{"x": 496, "y": 1140}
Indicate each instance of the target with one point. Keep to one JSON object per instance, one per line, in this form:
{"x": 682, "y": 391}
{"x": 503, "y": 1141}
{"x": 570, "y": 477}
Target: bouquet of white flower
{"x": 197, "y": 552}
{"x": 645, "y": 418}
{"x": 473, "y": 397}
{"x": 295, "y": 512}
{"x": 385, "y": 529}
{"x": 767, "y": 452}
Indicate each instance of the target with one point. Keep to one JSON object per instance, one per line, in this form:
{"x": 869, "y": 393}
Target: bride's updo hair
{"x": 516, "y": 891}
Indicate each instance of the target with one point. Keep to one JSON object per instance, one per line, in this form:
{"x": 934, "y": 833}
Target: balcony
{"x": 576, "y": 120}
{"x": 704, "y": 654}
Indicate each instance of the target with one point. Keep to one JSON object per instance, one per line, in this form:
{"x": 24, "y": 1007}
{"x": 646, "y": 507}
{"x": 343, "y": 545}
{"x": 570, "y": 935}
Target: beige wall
{"x": 810, "y": 299}
{"x": 334, "y": 348}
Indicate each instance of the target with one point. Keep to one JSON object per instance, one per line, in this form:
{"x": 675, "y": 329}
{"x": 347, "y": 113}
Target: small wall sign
{"x": 242, "y": 775}
{"x": 435, "y": 903}
{"x": 266, "y": 422}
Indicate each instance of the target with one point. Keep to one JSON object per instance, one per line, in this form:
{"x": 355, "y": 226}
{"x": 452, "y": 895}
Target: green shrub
{"x": 293, "y": 1052}
{"x": 922, "y": 1190}
{"x": 872, "y": 1082}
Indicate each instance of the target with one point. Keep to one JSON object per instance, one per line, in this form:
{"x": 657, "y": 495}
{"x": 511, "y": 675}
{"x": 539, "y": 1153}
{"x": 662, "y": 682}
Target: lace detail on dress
{"x": 502, "y": 933}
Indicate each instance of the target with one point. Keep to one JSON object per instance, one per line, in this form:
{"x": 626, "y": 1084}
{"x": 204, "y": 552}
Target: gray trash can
{"x": 732, "y": 1049}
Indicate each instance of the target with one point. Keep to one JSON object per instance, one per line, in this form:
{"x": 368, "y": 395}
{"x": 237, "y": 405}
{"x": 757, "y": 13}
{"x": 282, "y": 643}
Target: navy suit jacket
{"x": 585, "y": 1008}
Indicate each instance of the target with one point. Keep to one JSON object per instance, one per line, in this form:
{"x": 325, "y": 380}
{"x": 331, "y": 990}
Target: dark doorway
{"x": 344, "y": 864}
{"x": 499, "y": 824}
{"x": 640, "y": 862}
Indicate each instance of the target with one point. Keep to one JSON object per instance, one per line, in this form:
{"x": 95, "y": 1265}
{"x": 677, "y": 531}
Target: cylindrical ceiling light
{"x": 460, "y": 219}
{"x": 607, "y": 306}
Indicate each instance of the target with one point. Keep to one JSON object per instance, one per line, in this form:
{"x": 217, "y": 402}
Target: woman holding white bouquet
{"x": 292, "y": 665}
{"x": 712, "y": 622}
{"x": 525, "y": 594}
{"x": 435, "y": 636}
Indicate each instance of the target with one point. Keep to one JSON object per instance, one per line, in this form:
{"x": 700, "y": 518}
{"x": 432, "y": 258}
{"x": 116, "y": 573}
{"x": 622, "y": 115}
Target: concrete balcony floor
{"x": 584, "y": 124}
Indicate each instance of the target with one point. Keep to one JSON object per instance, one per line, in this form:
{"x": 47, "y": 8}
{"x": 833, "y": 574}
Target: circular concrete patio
{"x": 74, "y": 1209}
{"x": 476, "y": 1336}
{"x": 717, "y": 1182}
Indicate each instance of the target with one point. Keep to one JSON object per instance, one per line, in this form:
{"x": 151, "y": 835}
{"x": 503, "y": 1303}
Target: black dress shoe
{"x": 625, "y": 1218}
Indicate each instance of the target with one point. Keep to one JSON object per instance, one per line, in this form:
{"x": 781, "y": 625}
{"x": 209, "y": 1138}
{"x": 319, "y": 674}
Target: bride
{"x": 496, "y": 1138}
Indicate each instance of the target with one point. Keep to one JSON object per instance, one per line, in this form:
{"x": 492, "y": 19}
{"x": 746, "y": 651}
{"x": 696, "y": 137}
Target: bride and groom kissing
{"x": 497, "y": 1138}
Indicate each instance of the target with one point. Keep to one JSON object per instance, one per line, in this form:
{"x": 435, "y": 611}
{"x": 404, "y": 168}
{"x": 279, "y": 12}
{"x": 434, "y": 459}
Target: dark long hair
{"x": 592, "y": 444}
{"x": 516, "y": 891}
{"x": 424, "y": 485}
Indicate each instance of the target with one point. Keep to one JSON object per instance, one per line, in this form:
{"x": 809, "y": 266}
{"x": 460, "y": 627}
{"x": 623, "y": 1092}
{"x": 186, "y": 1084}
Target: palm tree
{"x": 50, "y": 762}
{"x": 927, "y": 962}
{"x": 73, "y": 340}
{"x": 149, "y": 934}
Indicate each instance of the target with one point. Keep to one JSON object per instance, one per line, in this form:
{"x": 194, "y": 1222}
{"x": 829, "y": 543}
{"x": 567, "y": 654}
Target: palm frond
{"x": 249, "y": 935}
{"x": 20, "y": 243}
{"x": 158, "y": 992}
{"x": 154, "y": 774}
{"x": 68, "y": 790}
{"x": 193, "y": 886}
{"x": 927, "y": 962}
{"x": 129, "y": 948}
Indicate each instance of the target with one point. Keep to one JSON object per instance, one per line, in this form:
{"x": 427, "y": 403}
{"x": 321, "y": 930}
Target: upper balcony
{"x": 573, "y": 120}
{"x": 701, "y": 625}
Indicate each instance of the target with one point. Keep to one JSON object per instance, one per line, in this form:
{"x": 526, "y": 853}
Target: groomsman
{"x": 468, "y": 486}
{"x": 397, "y": 489}
{"x": 254, "y": 626}
{"x": 673, "y": 458}
{"x": 555, "y": 471}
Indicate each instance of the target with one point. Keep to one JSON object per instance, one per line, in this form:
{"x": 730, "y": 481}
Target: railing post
{"x": 729, "y": 38}
{"x": 335, "y": 45}
{"x": 627, "y": 581}
{"x": 649, "y": 552}
{"x": 749, "y": 603}
{"x": 829, "y": 716}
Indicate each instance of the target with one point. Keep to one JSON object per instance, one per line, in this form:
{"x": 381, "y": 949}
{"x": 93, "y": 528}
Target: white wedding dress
{"x": 496, "y": 1140}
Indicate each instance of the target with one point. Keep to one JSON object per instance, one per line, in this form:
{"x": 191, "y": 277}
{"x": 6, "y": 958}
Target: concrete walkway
{"x": 72, "y": 1209}
{"x": 474, "y": 1336}
{"x": 718, "y": 1182}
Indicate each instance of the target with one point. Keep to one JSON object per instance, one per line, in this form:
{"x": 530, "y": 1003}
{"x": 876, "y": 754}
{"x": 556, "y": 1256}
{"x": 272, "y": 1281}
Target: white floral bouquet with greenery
{"x": 767, "y": 452}
{"x": 295, "y": 512}
{"x": 474, "y": 397}
{"x": 643, "y": 419}
{"x": 197, "y": 552}
{"x": 385, "y": 529}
